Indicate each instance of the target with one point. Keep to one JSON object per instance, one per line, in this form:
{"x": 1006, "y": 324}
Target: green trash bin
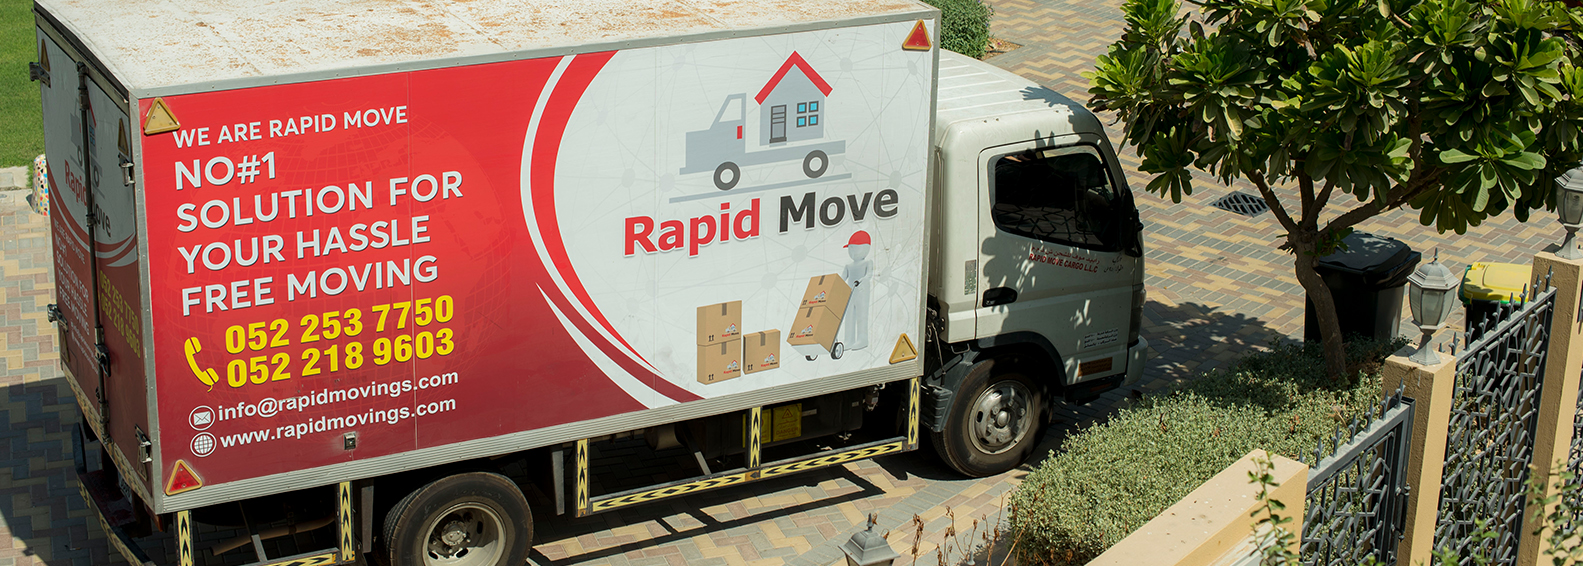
{"x": 1486, "y": 287}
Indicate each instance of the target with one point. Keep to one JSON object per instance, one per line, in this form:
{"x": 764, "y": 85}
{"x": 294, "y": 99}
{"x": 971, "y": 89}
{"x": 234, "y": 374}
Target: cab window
{"x": 1061, "y": 195}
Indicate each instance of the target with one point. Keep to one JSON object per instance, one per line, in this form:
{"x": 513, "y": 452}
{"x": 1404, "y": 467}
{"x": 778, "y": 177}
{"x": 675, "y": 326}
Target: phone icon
{"x": 207, "y": 376}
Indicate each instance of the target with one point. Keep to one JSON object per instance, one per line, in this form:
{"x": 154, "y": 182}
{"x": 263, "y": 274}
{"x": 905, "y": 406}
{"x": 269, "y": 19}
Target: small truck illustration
{"x": 793, "y": 109}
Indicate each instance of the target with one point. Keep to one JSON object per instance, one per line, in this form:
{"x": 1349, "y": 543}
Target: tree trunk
{"x": 1324, "y": 310}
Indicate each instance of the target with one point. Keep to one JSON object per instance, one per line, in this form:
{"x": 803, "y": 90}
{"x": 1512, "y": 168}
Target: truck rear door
{"x": 88, "y": 136}
{"x": 1052, "y": 262}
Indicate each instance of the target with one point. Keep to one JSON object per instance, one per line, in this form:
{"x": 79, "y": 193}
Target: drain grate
{"x": 1241, "y": 203}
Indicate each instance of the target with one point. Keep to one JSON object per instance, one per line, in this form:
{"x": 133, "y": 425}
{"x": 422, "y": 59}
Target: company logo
{"x": 732, "y": 366}
{"x": 806, "y": 331}
{"x": 201, "y": 418}
{"x": 770, "y": 359}
{"x": 731, "y": 329}
{"x": 203, "y": 445}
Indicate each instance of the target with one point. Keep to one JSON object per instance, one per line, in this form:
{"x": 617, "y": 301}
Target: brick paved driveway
{"x": 1217, "y": 290}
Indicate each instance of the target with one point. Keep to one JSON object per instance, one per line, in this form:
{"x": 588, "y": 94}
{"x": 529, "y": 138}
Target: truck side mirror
{"x": 1132, "y": 231}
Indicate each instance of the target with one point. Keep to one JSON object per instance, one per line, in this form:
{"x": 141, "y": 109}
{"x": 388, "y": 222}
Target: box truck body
{"x": 448, "y": 261}
{"x": 300, "y": 245}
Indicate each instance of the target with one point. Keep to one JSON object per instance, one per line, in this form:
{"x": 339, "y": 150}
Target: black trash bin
{"x": 1366, "y": 282}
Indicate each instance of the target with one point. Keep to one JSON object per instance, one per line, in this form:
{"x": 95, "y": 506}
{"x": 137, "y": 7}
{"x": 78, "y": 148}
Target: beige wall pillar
{"x": 1430, "y": 388}
{"x": 1558, "y": 398}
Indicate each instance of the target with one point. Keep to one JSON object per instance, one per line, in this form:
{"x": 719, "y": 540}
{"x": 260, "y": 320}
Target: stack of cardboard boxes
{"x": 819, "y": 315}
{"x": 724, "y": 353}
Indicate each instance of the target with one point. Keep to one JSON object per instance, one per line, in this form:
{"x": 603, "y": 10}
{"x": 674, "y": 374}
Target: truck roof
{"x": 974, "y": 90}
{"x": 156, "y": 45}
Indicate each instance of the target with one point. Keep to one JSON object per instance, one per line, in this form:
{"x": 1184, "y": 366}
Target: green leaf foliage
{"x": 1111, "y": 478}
{"x": 1462, "y": 109}
{"x": 964, "y": 26}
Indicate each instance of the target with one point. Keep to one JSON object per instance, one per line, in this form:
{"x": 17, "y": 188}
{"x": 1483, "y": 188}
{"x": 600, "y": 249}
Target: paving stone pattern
{"x": 1217, "y": 288}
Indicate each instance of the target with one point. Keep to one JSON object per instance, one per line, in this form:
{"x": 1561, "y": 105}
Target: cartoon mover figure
{"x": 857, "y": 274}
{"x": 836, "y": 304}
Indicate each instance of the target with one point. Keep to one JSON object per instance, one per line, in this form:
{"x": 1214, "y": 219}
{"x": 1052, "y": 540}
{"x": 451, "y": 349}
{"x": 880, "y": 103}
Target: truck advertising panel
{"x": 430, "y": 257}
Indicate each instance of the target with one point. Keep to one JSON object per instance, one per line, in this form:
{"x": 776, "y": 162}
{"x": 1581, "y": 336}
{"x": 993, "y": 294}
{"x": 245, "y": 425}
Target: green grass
{"x": 21, "y": 130}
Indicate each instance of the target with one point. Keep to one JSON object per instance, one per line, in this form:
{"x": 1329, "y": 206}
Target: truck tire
{"x": 468, "y": 519}
{"x": 727, "y": 169}
{"x": 808, "y": 164}
{"x": 992, "y": 424}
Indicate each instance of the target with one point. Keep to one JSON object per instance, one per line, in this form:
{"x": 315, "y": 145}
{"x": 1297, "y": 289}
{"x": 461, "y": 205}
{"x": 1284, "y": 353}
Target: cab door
{"x": 1053, "y": 252}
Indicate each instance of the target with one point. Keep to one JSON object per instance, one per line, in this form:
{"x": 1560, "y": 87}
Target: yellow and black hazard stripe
{"x": 582, "y": 477}
{"x": 184, "y": 538}
{"x": 698, "y": 485}
{"x": 912, "y": 413}
{"x": 870, "y": 451}
{"x": 344, "y": 520}
{"x": 322, "y": 558}
{"x": 706, "y": 484}
{"x": 755, "y": 436}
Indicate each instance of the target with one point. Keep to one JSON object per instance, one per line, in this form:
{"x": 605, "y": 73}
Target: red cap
{"x": 859, "y": 238}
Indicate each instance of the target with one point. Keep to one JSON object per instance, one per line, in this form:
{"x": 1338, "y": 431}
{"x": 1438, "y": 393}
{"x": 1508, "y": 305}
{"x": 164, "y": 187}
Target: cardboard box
{"x": 814, "y": 328}
{"x": 761, "y": 351}
{"x": 828, "y": 291}
{"x": 721, "y": 322}
{"x": 719, "y": 362}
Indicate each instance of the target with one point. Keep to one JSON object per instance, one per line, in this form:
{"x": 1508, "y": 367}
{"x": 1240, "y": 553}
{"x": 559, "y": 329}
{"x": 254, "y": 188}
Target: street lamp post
{"x": 1569, "y": 205}
{"x": 1429, "y": 297}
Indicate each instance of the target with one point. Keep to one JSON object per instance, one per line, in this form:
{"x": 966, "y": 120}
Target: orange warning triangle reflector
{"x": 159, "y": 119}
{"x": 904, "y": 350}
{"x": 182, "y": 479}
{"x": 918, "y": 40}
{"x": 121, "y": 141}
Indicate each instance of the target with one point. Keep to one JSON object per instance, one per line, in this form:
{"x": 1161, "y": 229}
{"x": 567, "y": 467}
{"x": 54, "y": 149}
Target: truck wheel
{"x": 471, "y": 519}
{"x": 814, "y": 158}
{"x": 727, "y": 175}
{"x": 992, "y": 425}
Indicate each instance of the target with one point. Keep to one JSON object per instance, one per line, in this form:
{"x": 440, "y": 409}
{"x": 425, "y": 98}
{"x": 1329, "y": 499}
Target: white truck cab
{"x": 1036, "y": 258}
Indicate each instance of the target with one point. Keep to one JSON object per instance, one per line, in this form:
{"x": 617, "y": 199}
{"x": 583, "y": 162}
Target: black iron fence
{"x": 1357, "y": 495}
{"x": 1490, "y": 439}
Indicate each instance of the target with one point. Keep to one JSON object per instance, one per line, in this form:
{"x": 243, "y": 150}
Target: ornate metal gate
{"x": 1357, "y": 496}
{"x": 1489, "y": 443}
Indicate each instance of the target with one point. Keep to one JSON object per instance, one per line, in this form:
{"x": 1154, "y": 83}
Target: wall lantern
{"x": 868, "y": 548}
{"x": 1429, "y": 296}
{"x": 1569, "y": 205}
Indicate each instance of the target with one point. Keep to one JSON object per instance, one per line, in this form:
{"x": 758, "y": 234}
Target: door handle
{"x": 999, "y": 296}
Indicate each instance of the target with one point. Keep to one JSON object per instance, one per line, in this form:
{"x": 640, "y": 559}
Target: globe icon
{"x": 203, "y": 444}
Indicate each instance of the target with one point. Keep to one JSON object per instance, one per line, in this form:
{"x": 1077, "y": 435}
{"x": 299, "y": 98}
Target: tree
{"x": 1460, "y": 109}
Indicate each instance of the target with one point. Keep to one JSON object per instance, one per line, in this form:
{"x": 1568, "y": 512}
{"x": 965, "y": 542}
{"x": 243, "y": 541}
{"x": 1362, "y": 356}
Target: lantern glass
{"x": 1572, "y": 207}
{"x": 1433, "y": 309}
{"x": 1447, "y": 303}
{"x": 1415, "y": 302}
{"x": 1569, "y": 202}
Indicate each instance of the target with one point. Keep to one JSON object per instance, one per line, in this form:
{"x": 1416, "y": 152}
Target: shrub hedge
{"x": 1111, "y": 478}
{"x": 964, "y": 26}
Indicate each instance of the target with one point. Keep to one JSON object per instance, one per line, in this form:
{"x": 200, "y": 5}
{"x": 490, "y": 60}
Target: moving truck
{"x": 366, "y": 263}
